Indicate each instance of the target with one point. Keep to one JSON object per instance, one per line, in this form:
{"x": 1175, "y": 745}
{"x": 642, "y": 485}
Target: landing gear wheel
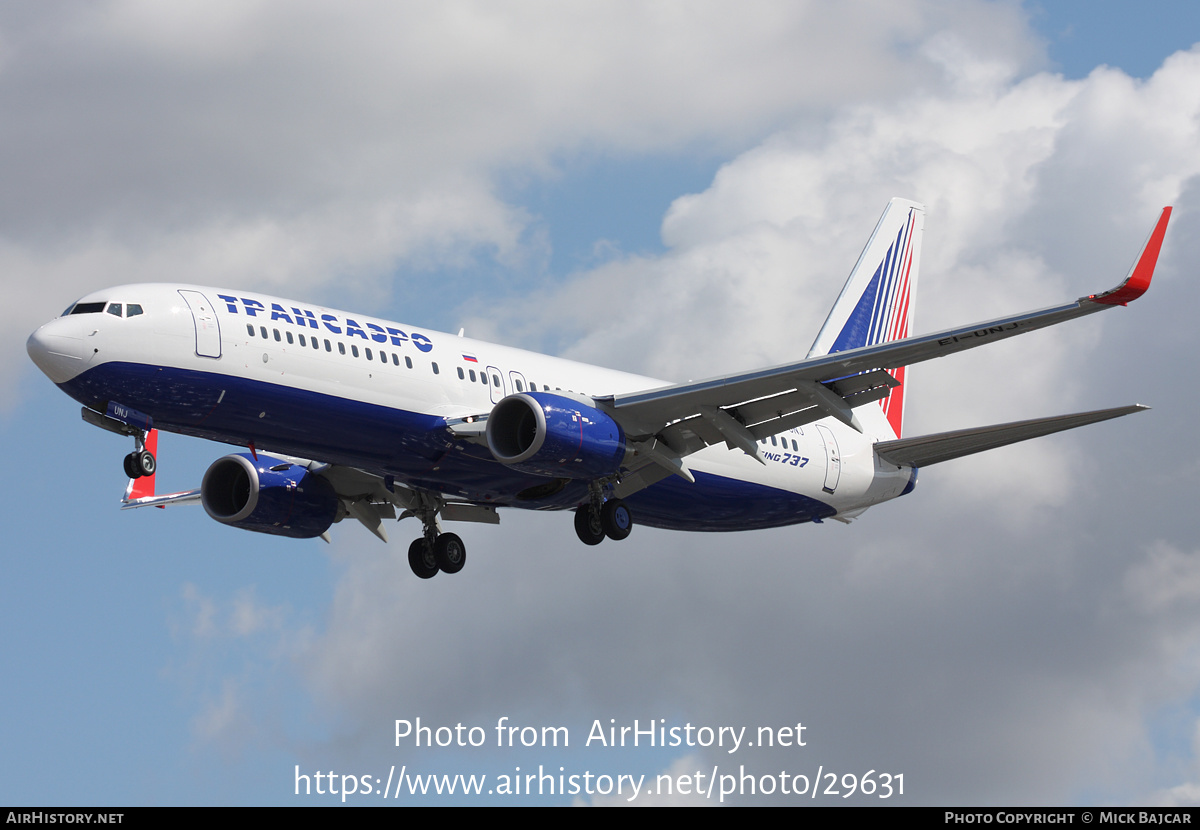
{"x": 450, "y": 553}
{"x": 421, "y": 559}
{"x": 616, "y": 519}
{"x": 587, "y": 526}
{"x": 131, "y": 467}
{"x": 145, "y": 463}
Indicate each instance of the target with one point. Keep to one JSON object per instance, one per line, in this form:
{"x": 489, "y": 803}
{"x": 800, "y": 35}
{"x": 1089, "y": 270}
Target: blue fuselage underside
{"x": 416, "y": 449}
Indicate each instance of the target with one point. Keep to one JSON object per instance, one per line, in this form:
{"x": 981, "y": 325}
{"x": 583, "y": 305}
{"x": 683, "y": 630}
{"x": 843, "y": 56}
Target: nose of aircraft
{"x": 57, "y": 348}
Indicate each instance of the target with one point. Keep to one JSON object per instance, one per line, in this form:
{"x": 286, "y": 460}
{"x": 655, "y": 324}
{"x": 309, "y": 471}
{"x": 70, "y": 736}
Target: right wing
{"x": 741, "y": 409}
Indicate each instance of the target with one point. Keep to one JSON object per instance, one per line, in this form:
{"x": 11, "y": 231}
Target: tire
{"x": 450, "y": 552}
{"x": 421, "y": 559}
{"x": 587, "y": 526}
{"x": 131, "y": 468}
{"x": 145, "y": 463}
{"x": 616, "y": 519}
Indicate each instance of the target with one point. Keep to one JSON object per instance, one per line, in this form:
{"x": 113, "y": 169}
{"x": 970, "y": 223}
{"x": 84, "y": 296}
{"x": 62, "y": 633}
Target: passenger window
{"x": 328, "y": 348}
{"x": 114, "y": 309}
{"x": 277, "y": 338}
{"x": 250, "y": 329}
{"x": 341, "y": 347}
{"x": 132, "y": 309}
{"x": 368, "y": 351}
{"x": 520, "y": 387}
{"x": 435, "y": 368}
{"x": 472, "y": 375}
{"x": 461, "y": 376}
{"x": 395, "y": 359}
{"x": 289, "y": 338}
{"x": 263, "y": 331}
{"x": 496, "y": 381}
{"x": 303, "y": 342}
{"x": 354, "y": 349}
{"x": 408, "y": 361}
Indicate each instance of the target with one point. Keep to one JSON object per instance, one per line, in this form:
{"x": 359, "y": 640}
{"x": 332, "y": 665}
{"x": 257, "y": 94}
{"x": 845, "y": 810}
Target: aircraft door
{"x": 518, "y": 382}
{"x": 497, "y": 387}
{"x": 208, "y": 330}
{"x": 833, "y": 458}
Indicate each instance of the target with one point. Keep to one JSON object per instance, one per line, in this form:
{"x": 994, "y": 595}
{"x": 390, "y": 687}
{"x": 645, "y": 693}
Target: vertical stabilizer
{"x": 876, "y": 304}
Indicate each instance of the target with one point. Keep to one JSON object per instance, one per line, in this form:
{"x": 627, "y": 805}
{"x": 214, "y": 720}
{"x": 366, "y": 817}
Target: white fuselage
{"x": 353, "y": 390}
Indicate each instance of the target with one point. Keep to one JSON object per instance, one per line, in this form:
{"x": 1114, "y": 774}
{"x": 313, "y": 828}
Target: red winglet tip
{"x": 252, "y": 452}
{"x": 1140, "y": 274}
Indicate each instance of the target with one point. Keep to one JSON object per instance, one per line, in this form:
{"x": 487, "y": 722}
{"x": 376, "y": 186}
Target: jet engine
{"x": 552, "y": 435}
{"x": 268, "y": 495}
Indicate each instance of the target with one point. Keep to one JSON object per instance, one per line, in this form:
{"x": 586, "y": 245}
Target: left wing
{"x": 364, "y": 496}
{"x": 740, "y": 409}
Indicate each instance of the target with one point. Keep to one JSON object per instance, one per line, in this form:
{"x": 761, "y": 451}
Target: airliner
{"x": 346, "y": 415}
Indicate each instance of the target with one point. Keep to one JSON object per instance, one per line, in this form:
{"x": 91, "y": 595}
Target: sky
{"x": 672, "y": 189}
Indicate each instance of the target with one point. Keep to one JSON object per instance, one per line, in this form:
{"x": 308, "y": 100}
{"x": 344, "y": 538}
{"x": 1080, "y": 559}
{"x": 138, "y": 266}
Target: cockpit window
{"x": 114, "y": 309}
{"x": 133, "y": 309}
{"x": 88, "y": 308}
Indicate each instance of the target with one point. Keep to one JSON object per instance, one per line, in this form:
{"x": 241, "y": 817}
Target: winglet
{"x": 1138, "y": 281}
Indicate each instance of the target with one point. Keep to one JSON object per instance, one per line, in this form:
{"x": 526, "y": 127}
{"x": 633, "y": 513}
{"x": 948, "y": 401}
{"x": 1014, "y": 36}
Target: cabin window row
{"x": 380, "y": 355}
{"x": 482, "y": 377}
{"x": 783, "y": 442}
{"x": 305, "y": 341}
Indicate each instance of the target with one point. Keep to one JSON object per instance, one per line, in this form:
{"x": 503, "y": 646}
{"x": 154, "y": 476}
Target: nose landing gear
{"x": 140, "y": 463}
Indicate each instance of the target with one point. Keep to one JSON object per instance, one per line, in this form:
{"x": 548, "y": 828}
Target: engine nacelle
{"x": 268, "y": 495}
{"x": 551, "y": 435}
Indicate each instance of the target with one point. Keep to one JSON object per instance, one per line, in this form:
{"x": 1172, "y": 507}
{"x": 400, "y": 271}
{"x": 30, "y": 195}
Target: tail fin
{"x": 876, "y": 304}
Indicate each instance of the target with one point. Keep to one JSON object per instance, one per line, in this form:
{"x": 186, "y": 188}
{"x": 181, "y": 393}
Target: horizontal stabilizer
{"x": 944, "y": 446}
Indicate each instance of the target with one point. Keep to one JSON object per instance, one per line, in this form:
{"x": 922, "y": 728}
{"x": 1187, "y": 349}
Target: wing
{"x": 738, "y": 410}
{"x": 364, "y": 496}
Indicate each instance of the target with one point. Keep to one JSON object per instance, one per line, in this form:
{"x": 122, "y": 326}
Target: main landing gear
{"x": 435, "y": 551}
{"x": 597, "y": 520}
{"x": 446, "y": 553}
